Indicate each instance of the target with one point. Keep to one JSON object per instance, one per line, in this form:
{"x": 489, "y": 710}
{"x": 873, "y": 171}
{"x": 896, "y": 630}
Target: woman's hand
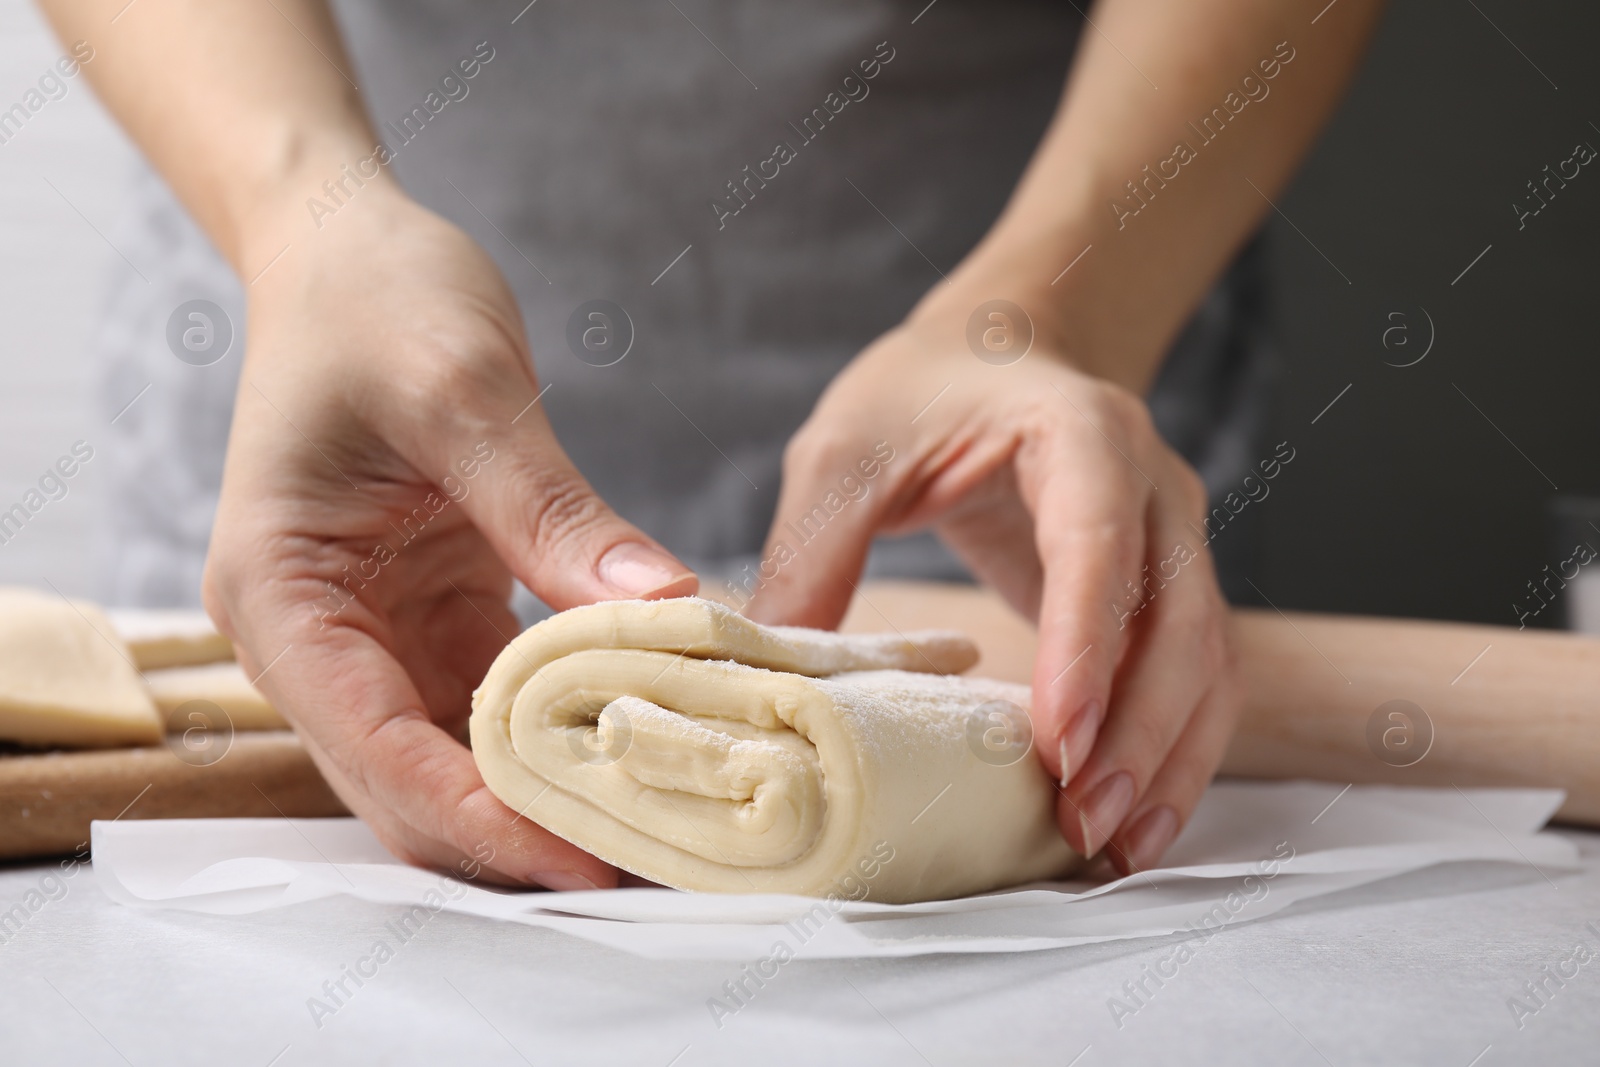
{"x": 1053, "y": 487}
{"x": 386, "y": 456}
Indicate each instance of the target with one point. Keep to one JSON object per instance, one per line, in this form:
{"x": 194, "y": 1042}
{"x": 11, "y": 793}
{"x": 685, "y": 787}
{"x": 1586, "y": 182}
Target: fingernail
{"x": 638, "y": 570}
{"x": 1078, "y": 738}
{"x": 1150, "y": 836}
{"x": 564, "y": 881}
{"x": 1103, "y": 810}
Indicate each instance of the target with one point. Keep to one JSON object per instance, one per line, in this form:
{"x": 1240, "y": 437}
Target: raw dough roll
{"x": 682, "y": 742}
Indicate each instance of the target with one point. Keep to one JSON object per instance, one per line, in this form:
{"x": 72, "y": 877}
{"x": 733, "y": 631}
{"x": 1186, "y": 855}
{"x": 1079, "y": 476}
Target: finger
{"x": 1089, "y": 520}
{"x": 1178, "y": 653}
{"x": 410, "y": 847}
{"x": 1165, "y": 808}
{"x": 541, "y": 516}
{"x": 834, "y": 494}
{"x": 364, "y": 721}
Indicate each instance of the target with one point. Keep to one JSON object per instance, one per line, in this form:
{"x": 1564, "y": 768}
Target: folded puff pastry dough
{"x": 66, "y": 678}
{"x": 682, "y": 742}
{"x": 225, "y": 685}
{"x": 170, "y": 637}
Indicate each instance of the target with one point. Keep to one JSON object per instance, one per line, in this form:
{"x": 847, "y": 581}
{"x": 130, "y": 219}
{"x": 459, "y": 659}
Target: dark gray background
{"x": 1403, "y": 499}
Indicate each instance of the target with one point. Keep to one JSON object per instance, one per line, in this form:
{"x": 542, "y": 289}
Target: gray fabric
{"x": 1210, "y": 402}
{"x": 585, "y": 156}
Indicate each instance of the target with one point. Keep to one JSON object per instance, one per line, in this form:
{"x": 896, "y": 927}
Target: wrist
{"x": 1058, "y": 324}
{"x": 1054, "y": 279}
{"x": 307, "y": 185}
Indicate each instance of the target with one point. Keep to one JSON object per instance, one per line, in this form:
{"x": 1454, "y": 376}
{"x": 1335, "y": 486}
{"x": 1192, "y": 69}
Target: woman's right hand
{"x": 388, "y": 472}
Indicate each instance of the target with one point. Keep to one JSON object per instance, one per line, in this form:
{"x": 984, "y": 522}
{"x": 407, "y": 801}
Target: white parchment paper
{"x": 1251, "y": 849}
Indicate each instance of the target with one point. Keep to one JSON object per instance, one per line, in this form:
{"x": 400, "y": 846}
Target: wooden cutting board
{"x": 47, "y": 800}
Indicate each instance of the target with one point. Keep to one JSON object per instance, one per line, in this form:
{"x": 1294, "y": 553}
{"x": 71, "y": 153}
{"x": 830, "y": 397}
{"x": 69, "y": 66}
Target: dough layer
{"x": 170, "y": 637}
{"x": 223, "y": 684}
{"x": 66, "y": 678}
{"x": 682, "y": 742}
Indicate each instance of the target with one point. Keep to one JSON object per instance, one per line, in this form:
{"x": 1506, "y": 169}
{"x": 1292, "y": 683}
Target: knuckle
{"x": 1215, "y": 654}
{"x": 561, "y": 511}
{"x": 1127, "y": 412}
{"x": 476, "y": 811}
{"x": 1223, "y": 659}
{"x": 226, "y": 558}
{"x": 1199, "y": 625}
{"x": 1105, "y": 534}
{"x": 1192, "y": 490}
{"x": 1193, "y": 619}
{"x": 811, "y": 448}
{"x": 240, "y": 585}
{"x": 453, "y": 371}
{"x": 1216, "y": 647}
{"x": 351, "y": 751}
{"x": 216, "y": 593}
{"x": 211, "y": 598}
{"x": 797, "y": 450}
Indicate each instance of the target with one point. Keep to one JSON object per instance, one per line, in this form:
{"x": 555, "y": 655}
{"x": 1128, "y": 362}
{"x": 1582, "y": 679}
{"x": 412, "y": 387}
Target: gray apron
{"x": 629, "y": 153}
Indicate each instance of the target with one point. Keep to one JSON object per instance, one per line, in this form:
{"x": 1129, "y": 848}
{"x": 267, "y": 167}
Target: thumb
{"x": 832, "y": 503}
{"x": 544, "y": 519}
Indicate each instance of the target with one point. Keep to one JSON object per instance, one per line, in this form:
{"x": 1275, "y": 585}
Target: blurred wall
{"x": 1421, "y": 491}
{"x": 62, "y": 187}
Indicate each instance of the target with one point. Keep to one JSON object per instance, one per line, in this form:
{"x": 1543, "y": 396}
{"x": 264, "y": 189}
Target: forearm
{"x": 245, "y": 108}
{"x": 1524, "y": 712}
{"x": 1133, "y": 172}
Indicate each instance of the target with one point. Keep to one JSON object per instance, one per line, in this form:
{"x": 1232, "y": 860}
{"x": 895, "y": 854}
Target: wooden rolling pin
{"x": 1336, "y": 698}
{"x": 1351, "y": 699}
{"x": 47, "y": 800}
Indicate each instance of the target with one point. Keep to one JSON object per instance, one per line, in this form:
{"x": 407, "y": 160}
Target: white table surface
{"x": 1415, "y": 970}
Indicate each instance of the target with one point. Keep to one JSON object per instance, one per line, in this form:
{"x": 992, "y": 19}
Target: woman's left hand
{"x": 1054, "y": 487}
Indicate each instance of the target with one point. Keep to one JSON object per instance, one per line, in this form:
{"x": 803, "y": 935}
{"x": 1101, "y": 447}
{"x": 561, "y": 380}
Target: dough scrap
{"x": 682, "y": 742}
{"x": 66, "y": 678}
{"x": 223, "y": 684}
{"x": 170, "y": 637}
